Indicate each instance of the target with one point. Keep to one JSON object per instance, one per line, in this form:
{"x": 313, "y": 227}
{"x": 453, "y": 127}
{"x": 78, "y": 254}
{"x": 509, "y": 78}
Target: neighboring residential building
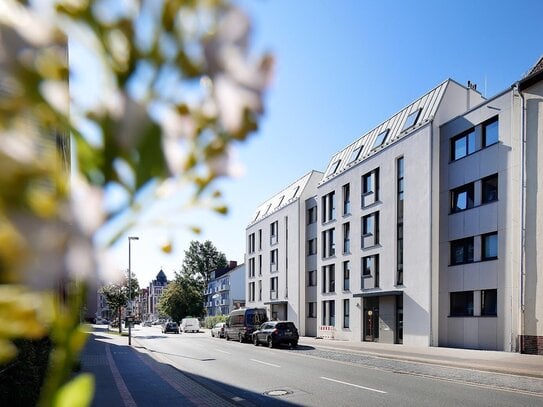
{"x": 378, "y": 221}
{"x": 141, "y": 305}
{"x": 156, "y": 288}
{"x": 276, "y": 259}
{"x": 225, "y": 290}
{"x": 102, "y": 307}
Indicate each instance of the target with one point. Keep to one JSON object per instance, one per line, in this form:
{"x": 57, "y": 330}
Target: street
{"x": 310, "y": 376}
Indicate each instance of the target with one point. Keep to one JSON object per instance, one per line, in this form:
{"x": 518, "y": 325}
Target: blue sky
{"x": 343, "y": 67}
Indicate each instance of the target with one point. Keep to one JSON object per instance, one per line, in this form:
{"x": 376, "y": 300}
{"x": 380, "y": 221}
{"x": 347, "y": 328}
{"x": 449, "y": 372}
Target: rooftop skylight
{"x": 380, "y": 139}
{"x": 355, "y": 154}
{"x": 411, "y": 119}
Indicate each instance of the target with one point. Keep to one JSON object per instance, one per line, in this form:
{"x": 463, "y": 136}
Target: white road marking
{"x": 222, "y": 351}
{"x": 265, "y": 363}
{"x": 354, "y": 385}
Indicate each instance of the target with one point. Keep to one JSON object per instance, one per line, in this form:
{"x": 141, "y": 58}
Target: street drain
{"x": 277, "y": 393}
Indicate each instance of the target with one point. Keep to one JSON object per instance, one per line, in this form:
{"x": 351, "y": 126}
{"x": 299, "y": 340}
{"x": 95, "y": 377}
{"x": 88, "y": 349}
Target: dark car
{"x": 170, "y": 327}
{"x": 274, "y": 333}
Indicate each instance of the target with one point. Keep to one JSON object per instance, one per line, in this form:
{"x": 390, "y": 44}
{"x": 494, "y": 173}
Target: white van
{"x": 190, "y": 325}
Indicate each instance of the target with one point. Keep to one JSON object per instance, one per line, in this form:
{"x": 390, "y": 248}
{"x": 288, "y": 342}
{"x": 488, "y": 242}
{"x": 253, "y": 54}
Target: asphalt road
{"x": 249, "y": 375}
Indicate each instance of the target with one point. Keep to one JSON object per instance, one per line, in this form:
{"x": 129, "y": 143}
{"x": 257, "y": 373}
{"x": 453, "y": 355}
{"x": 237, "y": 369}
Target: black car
{"x": 274, "y": 333}
{"x": 170, "y": 327}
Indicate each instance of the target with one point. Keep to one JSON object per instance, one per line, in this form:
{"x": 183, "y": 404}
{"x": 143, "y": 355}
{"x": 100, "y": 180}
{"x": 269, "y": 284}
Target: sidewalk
{"x": 128, "y": 376}
{"x": 491, "y": 361}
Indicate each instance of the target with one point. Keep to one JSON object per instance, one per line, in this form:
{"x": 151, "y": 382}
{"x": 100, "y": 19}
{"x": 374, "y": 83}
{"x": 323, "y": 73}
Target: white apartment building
{"x": 378, "y": 220}
{"x": 424, "y": 231}
{"x": 275, "y": 255}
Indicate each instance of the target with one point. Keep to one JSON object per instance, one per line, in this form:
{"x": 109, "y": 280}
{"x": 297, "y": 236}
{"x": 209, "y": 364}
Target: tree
{"x": 116, "y": 296}
{"x": 201, "y": 259}
{"x": 183, "y": 297}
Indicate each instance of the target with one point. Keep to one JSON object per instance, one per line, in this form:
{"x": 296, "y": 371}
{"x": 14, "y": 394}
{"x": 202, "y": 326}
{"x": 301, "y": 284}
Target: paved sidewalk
{"x": 492, "y": 361}
{"x": 128, "y": 376}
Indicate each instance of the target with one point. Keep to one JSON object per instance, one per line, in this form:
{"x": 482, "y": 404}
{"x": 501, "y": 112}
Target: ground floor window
{"x": 489, "y": 301}
{"x": 346, "y": 313}
{"x": 461, "y": 304}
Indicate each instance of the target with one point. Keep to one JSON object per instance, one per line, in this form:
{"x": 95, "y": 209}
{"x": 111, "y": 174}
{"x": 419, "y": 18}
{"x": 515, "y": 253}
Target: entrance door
{"x": 371, "y": 319}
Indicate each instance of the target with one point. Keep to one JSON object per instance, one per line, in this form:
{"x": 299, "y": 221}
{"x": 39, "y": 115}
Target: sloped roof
{"x": 420, "y": 112}
{"x": 533, "y": 76}
{"x": 536, "y": 68}
{"x": 282, "y": 199}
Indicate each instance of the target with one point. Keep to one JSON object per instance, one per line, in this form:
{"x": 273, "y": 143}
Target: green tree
{"x": 116, "y": 296}
{"x": 201, "y": 259}
{"x": 183, "y": 297}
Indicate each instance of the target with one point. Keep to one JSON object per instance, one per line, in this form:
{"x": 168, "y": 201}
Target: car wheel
{"x": 212, "y": 335}
{"x": 240, "y": 338}
{"x": 255, "y": 340}
{"x": 270, "y": 342}
{"x": 294, "y": 344}
{"x": 226, "y": 337}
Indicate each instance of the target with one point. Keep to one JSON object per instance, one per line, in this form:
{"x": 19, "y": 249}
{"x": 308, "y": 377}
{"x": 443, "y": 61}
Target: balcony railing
{"x": 274, "y": 295}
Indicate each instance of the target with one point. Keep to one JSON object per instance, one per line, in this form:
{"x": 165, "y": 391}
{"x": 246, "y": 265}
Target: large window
{"x": 346, "y": 312}
{"x": 274, "y": 260}
{"x": 251, "y": 291}
{"x": 311, "y": 215}
{"x": 251, "y": 267}
{"x": 346, "y": 275}
{"x": 329, "y": 207}
{"x": 274, "y": 232}
{"x": 312, "y": 278}
{"x": 370, "y": 188}
{"x": 312, "y": 246}
{"x": 252, "y": 243}
{"x": 462, "y": 251}
{"x": 329, "y": 278}
{"x": 329, "y": 312}
{"x": 490, "y": 132}
{"x": 346, "y": 199}
{"x": 489, "y": 302}
{"x": 328, "y": 243}
{"x": 489, "y": 246}
{"x": 370, "y": 268}
{"x": 463, "y": 145}
{"x": 489, "y": 189}
{"x": 462, "y": 198}
{"x": 346, "y": 238}
{"x": 370, "y": 230}
{"x": 274, "y": 288}
{"x": 461, "y": 304}
{"x": 312, "y": 310}
{"x": 399, "y": 219}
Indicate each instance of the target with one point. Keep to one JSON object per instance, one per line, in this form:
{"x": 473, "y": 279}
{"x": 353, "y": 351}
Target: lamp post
{"x": 130, "y": 238}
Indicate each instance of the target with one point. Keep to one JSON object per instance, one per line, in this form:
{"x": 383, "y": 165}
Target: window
{"x": 259, "y": 290}
{"x": 329, "y": 313}
{"x": 411, "y": 120}
{"x": 329, "y": 207}
{"x": 370, "y": 265}
{"x": 489, "y": 302}
{"x": 380, "y": 139}
{"x": 489, "y": 246}
{"x": 274, "y": 263}
{"x": 280, "y": 201}
{"x": 251, "y": 291}
{"x": 463, "y": 145}
{"x": 370, "y": 228}
{"x": 259, "y": 264}
{"x": 274, "y": 230}
{"x": 462, "y": 198}
{"x": 329, "y": 278}
{"x": 251, "y": 243}
{"x": 259, "y": 239}
{"x": 256, "y": 217}
{"x": 273, "y": 288}
{"x": 328, "y": 243}
{"x": 346, "y": 312}
{"x": 346, "y": 238}
{"x": 312, "y": 310}
{"x": 370, "y": 188}
{"x": 312, "y": 278}
{"x": 311, "y": 215}
{"x": 399, "y": 219}
{"x": 462, "y": 251}
{"x": 267, "y": 209}
{"x": 251, "y": 267}
{"x": 490, "y": 132}
{"x": 346, "y": 199}
{"x": 489, "y": 188}
{"x": 461, "y": 304}
{"x": 355, "y": 155}
{"x": 295, "y": 192}
{"x": 334, "y": 167}
{"x": 346, "y": 275}
{"x": 399, "y": 254}
{"x": 312, "y": 247}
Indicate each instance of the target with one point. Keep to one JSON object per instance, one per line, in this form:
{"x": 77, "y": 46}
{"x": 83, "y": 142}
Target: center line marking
{"x": 354, "y": 385}
{"x": 223, "y": 351}
{"x": 265, "y": 363}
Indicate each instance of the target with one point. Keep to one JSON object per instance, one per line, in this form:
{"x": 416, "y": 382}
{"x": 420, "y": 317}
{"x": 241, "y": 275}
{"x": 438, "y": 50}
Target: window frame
{"x": 484, "y": 244}
{"x": 493, "y": 311}
{"x": 409, "y": 121}
{"x": 465, "y": 244}
{"x": 469, "y": 190}
{"x": 469, "y": 136}
{"x": 490, "y": 122}
{"x": 380, "y": 139}
{"x": 485, "y": 189}
{"x": 467, "y": 309}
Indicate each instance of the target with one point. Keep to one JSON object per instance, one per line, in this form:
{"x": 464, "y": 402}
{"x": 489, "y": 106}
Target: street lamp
{"x": 130, "y": 238}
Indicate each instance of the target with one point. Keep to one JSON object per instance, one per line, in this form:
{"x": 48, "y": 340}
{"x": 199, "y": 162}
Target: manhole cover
{"x": 277, "y": 393}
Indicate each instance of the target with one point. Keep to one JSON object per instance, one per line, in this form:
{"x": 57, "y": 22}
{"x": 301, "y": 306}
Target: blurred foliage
{"x": 117, "y": 295}
{"x": 183, "y": 297}
{"x": 170, "y": 89}
{"x": 210, "y": 322}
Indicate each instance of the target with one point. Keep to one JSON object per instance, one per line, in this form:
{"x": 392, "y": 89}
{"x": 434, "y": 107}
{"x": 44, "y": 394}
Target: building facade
{"x": 225, "y": 290}
{"x": 276, "y": 261}
{"x": 424, "y": 231}
{"x": 155, "y": 290}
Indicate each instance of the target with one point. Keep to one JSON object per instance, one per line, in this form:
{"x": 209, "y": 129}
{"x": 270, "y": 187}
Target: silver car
{"x": 218, "y": 330}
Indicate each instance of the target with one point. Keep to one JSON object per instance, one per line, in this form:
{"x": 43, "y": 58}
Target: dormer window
{"x": 355, "y": 154}
{"x": 380, "y": 139}
{"x": 334, "y": 167}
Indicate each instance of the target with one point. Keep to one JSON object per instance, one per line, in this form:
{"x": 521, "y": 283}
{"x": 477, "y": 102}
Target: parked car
{"x": 147, "y": 323}
{"x": 241, "y": 323}
{"x": 218, "y": 330}
{"x": 170, "y": 327}
{"x": 274, "y": 333}
{"x": 190, "y": 325}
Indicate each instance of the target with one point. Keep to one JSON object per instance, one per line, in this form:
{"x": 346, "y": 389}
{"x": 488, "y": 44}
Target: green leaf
{"x": 76, "y": 393}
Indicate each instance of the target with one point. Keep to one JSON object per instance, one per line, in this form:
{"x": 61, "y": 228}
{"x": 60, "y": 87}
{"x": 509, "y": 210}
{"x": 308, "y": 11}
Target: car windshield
{"x": 285, "y": 325}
